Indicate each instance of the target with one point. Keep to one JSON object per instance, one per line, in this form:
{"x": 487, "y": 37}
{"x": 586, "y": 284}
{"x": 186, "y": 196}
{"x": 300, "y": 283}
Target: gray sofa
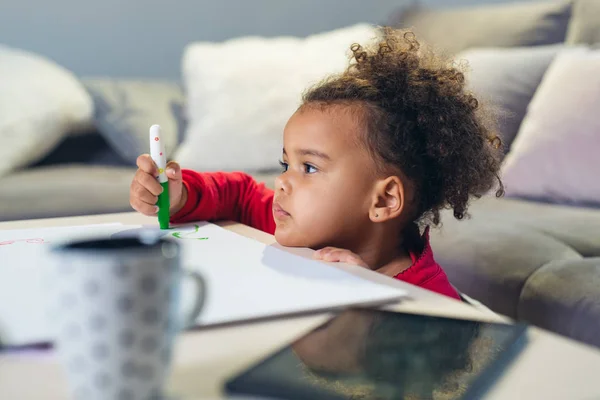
{"x": 533, "y": 262}
{"x": 526, "y": 259}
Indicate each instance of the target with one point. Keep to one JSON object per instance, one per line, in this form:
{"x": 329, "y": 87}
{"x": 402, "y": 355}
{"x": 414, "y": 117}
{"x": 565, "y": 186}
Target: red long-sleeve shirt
{"x": 238, "y": 197}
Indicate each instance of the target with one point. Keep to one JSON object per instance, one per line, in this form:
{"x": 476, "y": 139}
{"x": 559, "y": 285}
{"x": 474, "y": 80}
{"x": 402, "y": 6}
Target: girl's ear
{"x": 388, "y": 199}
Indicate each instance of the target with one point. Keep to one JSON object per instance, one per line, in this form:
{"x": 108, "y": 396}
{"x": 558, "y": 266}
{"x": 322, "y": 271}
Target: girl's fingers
{"x": 148, "y": 182}
{"x": 145, "y": 163}
{"x": 143, "y": 207}
{"x": 141, "y": 193}
{"x": 174, "y": 171}
{"x": 332, "y": 254}
{"x": 320, "y": 253}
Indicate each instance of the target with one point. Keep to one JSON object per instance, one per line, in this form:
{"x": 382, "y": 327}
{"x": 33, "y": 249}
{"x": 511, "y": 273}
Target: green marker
{"x": 157, "y": 152}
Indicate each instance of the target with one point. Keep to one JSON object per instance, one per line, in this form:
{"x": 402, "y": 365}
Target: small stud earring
{"x": 376, "y": 215}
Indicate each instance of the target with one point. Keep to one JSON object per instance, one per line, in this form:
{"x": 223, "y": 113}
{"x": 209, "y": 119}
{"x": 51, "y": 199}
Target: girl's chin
{"x": 286, "y": 241}
{"x": 289, "y": 240}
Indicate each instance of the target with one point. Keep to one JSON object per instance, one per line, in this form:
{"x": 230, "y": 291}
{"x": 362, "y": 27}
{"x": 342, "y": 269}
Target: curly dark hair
{"x": 419, "y": 118}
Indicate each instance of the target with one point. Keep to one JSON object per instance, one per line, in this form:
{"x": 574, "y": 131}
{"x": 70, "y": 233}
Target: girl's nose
{"x": 282, "y": 183}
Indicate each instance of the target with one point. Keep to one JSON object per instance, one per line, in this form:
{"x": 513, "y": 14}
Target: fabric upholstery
{"x": 555, "y": 154}
{"x": 41, "y": 102}
{"x": 584, "y": 26}
{"x": 83, "y": 148}
{"x": 240, "y": 94}
{"x": 502, "y": 254}
{"x": 496, "y": 25}
{"x": 507, "y": 79}
{"x": 61, "y": 190}
{"x": 70, "y": 189}
{"x": 562, "y": 297}
{"x": 494, "y": 260}
{"x": 126, "y": 108}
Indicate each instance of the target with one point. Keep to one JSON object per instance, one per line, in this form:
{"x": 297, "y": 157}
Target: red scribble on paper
{"x": 32, "y": 241}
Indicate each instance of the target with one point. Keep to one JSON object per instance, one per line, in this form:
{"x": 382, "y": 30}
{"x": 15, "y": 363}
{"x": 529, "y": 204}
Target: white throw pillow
{"x": 240, "y": 94}
{"x": 40, "y": 103}
{"x": 556, "y": 154}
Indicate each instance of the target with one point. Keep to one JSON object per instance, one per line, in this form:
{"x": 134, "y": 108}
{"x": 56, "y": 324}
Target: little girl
{"x": 370, "y": 156}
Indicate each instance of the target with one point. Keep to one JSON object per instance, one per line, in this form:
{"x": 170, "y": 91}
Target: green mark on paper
{"x": 180, "y": 235}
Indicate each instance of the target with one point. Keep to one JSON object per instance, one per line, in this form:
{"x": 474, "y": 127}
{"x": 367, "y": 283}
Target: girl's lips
{"x": 279, "y": 212}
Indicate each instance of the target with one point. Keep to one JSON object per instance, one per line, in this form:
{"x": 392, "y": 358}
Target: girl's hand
{"x": 144, "y": 190}
{"x": 333, "y": 254}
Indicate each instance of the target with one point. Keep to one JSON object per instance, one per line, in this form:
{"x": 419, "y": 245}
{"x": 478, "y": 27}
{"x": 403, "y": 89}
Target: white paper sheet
{"x": 23, "y": 317}
{"x": 245, "y": 279}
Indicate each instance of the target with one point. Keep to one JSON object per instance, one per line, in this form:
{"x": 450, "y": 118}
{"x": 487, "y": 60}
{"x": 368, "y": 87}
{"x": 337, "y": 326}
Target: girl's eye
{"x": 284, "y": 166}
{"x": 309, "y": 169}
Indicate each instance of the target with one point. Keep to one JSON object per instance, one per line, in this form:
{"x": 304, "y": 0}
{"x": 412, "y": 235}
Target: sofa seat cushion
{"x": 507, "y": 254}
{"x": 65, "y": 190}
{"x": 577, "y": 227}
{"x": 70, "y": 189}
{"x": 563, "y": 296}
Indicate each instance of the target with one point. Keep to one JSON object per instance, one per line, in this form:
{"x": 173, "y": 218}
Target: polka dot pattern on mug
{"x": 125, "y": 304}
{"x": 128, "y": 369}
{"x": 150, "y": 316}
{"x": 102, "y": 380}
{"x": 97, "y": 322}
{"x": 117, "y": 329}
{"x": 149, "y": 284}
{"x": 121, "y": 270}
{"x": 149, "y": 344}
{"x": 100, "y": 351}
{"x": 126, "y": 339}
{"x": 125, "y": 394}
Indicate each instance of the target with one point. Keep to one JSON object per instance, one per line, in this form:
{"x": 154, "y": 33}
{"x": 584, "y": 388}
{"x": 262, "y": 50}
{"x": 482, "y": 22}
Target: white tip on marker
{"x": 157, "y": 152}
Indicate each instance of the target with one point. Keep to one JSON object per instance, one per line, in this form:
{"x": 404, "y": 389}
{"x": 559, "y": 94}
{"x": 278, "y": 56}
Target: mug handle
{"x": 200, "y": 297}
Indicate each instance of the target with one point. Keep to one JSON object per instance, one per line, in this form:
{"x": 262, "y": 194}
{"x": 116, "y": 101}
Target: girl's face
{"x": 323, "y": 195}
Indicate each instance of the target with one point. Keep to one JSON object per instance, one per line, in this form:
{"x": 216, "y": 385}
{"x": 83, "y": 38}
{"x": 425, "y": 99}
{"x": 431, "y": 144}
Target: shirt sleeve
{"x": 234, "y": 196}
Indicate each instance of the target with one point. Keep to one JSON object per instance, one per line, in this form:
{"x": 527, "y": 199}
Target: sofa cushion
{"x": 507, "y": 78}
{"x": 584, "y": 26}
{"x": 241, "y": 93}
{"x": 492, "y": 255}
{"x": 555, "y": 154}
{"x": 88, "y": 148}
{"x": 496, "y": 25}
{"x": 40, "y": 103}
{"x": 65, "y": 190}
{"x": 577, "y": 227}
{"x": 564, "y": 297}
{"x": 492, "y": 261}
{"x": 125, "y": 109}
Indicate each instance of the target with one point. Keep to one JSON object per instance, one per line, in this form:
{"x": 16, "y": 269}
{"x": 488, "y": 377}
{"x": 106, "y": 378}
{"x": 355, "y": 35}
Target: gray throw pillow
{"x": 584, "y": 26}
{"x": 88, "y": 148}
{"x": 554, "y": 157}
{"x": 507, "y": 78}
{"x": 496, "y": 25}
{"x": 126, "y": 108}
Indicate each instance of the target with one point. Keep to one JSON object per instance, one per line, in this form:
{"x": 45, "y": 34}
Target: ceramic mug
{"x": 116, "y": 310}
